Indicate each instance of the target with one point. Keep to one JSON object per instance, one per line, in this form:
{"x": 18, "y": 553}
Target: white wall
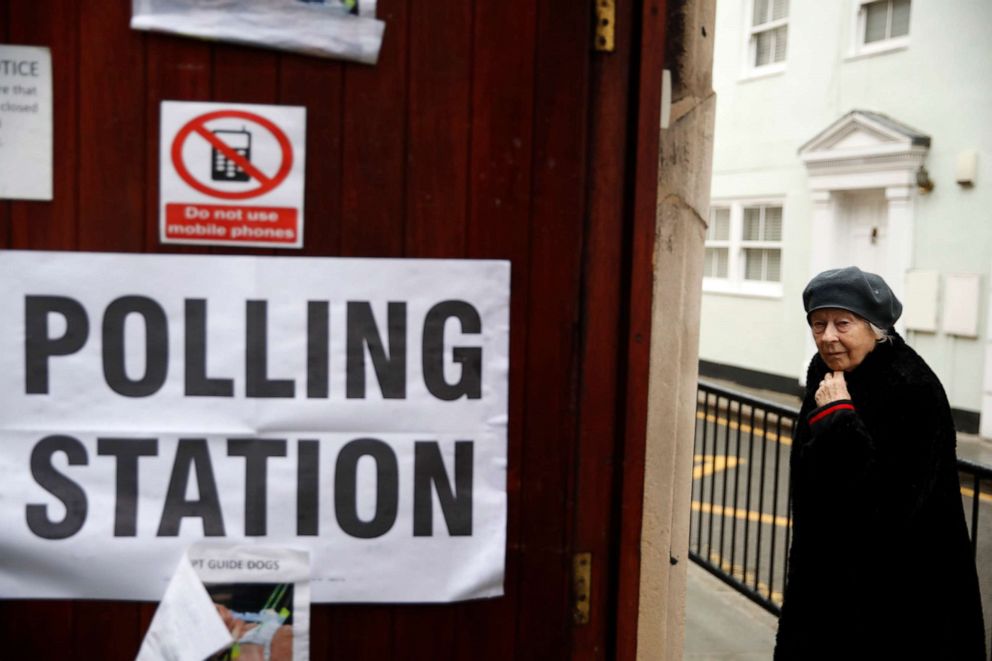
{"x": 941, "y": 85}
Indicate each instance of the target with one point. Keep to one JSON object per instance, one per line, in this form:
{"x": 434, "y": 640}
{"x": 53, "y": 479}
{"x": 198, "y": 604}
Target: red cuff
{"x": 831, "y": 408}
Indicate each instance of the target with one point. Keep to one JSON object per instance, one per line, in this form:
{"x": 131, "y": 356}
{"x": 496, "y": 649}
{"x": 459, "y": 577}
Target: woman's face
{"x": 842, "y": 338}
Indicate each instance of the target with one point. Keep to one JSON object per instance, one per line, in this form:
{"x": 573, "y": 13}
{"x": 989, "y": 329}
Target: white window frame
{"x": 720, "y": 243}
{"x": 859, "y": 48}
{"x": 734, "y": 283}
{"x": 752, "y": 70}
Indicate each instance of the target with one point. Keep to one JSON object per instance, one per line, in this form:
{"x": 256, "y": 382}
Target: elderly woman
{"x": 880, "y": 566}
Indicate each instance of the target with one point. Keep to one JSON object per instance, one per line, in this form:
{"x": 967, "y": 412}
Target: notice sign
{"x": 355, "y": 409}
{"x": 25, "y": 123}
{"x": 232, "y": 174}
{"x": 251, "y": 600}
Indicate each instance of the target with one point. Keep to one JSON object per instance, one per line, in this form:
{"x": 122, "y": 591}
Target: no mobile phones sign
{"x": 232, "y": 174}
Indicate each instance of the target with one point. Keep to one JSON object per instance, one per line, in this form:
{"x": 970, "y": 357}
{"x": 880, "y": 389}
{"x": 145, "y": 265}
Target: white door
{"x": 864, "y": 230}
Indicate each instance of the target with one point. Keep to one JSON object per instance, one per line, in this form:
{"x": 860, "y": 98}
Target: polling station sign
{"x": 232, "y": 174}
{"x": 355, "y": 409}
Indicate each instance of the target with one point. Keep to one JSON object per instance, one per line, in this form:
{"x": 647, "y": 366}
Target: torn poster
{"x": 345, "y": 29}
{"x": 233, "y": 602}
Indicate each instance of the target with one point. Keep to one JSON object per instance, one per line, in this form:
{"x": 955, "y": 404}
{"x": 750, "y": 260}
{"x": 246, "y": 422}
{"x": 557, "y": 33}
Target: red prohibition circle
{"x": 266, "y": 183}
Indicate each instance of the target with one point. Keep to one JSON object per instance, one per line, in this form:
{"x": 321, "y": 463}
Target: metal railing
{"x": 741, "y": 524}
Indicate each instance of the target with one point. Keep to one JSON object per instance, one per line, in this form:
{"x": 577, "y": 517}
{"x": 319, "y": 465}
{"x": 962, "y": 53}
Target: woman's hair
{"x": 880, "y": 334}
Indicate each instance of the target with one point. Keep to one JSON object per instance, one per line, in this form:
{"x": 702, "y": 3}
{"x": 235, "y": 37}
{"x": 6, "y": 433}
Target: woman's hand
{"x": 833, "y": 388}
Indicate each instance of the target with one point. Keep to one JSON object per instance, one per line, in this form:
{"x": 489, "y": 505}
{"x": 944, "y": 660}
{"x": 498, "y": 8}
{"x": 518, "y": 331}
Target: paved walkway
{"x": 721, "y": 624}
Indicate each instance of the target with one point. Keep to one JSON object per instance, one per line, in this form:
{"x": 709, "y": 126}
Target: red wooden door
{"x": 487, "y": 130}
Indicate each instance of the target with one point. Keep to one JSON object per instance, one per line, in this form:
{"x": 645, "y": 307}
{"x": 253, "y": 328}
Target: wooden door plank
{"x": 242, "y": 74}
{"x": 372, "y": 222}
{"x": 111, "y": 185}
{"x": 499, "y": 208}
{"x": 146, "y": 611}
{"x": 178, "y": 69}
{"x": 41, "y": 629}
{"x": 106, "y": 629}
{"x": 51, "y": 225}
{"x": 111, "y": 158}
{"x": 374, "y": 138}
{"x": 5, "y": 38}
{"x": 37, "y": 629}
{"x": 556, "y": 231}
{"x": 360, "y": 632}
{"x": 603, "y": 351}
{"x": 425, "y": 631}
{"x": 318, "y": 85}
{"x": 438, "y": 115}
{"x": 4, "y": 224}
{"x": 4, "y": 205}
{"x": 438, "y": 128}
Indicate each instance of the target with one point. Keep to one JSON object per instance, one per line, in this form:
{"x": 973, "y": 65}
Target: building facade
{"x": 852, "y": 132}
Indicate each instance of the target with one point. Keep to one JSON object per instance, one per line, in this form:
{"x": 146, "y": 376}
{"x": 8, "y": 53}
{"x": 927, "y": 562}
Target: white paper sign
{"x": 326, "y": 28}
{"x": 262, "y": 594}
{"x": 256, "y": 598}
{"x": 353, "y": 408}
{"x": 186, "y": 625}
{"x": 231, "y": 174}
{"x": 25, "y": 123}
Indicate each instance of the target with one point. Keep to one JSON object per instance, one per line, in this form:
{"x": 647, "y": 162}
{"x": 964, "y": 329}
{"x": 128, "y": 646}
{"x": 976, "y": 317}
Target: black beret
{"x": 850, "y": 288}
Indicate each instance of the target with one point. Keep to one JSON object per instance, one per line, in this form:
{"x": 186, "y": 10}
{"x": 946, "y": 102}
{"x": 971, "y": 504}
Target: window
{"x": 885, "y": 19}
{"x": 769, "y": 34}
{"x": 762, "y": 243}
{"x": 717, "y": 243}
{"x": 881, "y": 25}
{"x": 744, "y": 248}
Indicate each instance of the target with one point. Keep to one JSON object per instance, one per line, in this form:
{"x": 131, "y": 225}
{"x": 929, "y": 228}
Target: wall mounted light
{"x": 923, "y": 181}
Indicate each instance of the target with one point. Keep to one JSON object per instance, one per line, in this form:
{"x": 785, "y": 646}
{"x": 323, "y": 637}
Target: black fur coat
{"x": 880, "y": 566}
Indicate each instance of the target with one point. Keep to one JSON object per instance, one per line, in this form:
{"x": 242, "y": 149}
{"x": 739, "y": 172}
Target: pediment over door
{"x": 864, "y": 141}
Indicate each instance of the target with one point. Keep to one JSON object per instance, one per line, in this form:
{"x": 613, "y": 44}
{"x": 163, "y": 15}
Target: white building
{"x": 852, "y": 132}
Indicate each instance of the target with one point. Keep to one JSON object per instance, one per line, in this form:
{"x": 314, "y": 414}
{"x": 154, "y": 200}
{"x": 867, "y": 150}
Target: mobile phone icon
{"x": 223, "y": 168}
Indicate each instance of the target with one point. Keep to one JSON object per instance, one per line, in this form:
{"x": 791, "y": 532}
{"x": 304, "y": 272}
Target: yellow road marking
{"x": 718, "y": 510}
{"x": 967, "y": 491}
{"x": 709, "y": 464}
{"x": 771, "y": 436}
{"x": 737, "y": 571}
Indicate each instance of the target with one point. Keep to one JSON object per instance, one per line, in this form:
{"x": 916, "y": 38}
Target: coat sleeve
{"x": 891, "y": 471}
{"x": 840, "y": 459}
